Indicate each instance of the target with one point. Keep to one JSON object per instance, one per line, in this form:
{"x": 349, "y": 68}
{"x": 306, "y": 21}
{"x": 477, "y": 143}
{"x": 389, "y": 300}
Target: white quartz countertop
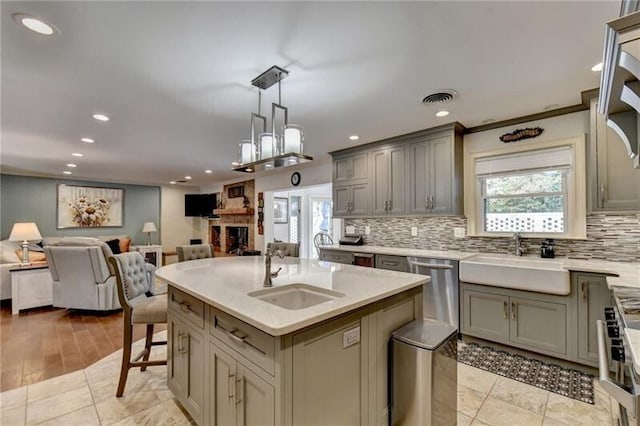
{"x": 224, "y": 283}
{"x": 402, "y": 251}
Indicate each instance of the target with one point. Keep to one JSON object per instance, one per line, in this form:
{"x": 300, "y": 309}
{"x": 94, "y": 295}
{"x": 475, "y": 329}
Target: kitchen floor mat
{"x": 554, "y": 378}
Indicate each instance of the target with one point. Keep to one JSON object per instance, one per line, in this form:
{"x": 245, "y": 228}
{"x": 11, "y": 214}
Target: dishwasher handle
{"x": 627, "y": 397}
{"x": 432, "y": 265}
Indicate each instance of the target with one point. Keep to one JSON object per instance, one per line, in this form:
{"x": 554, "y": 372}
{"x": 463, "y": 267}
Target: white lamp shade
{"x": 246, "y": 152}
{"x": 293, "y": 138}
{"x": 266, "y": 145}
{"x": 149, "y": 227}
{"x": 24, "y": 231}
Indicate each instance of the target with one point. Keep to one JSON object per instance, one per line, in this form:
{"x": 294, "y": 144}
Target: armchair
{"x": 289, "y": 249}
{"x": 82, "y": 276}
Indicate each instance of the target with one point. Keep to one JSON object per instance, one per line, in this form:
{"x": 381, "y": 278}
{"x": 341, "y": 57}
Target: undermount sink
{"x": 539, "y": 275}
{"x": 295, "y": 296}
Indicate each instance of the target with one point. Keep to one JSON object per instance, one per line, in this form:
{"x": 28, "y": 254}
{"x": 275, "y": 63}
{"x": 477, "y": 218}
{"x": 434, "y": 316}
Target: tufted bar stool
{"x": 134, "y": 279}
{"x": 288, "y": 249}
{"x": 194, "y": 251}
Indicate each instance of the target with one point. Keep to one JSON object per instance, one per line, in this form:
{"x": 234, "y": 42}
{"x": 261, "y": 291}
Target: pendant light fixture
{"x": 283, "y": 145}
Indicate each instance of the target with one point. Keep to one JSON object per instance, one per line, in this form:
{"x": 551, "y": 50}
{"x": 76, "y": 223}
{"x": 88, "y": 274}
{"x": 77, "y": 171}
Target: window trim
{"x": 575, "y": 202}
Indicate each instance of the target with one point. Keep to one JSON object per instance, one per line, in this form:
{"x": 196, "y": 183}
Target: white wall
{"x": 176, "y": 229}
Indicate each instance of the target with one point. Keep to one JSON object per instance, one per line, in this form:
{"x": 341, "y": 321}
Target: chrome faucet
{"x": 268, "y": 275}
{"x": 519, "y": 249}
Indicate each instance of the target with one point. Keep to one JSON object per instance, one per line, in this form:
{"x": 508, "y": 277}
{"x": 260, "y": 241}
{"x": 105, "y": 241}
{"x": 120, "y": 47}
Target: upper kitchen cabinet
{"x": 614, "y": 184}
{"x": 415, "y": 174}
{"x": 351, "y": 169}
{"x": 388, "y": 177}
{"x": 435, "y": 175}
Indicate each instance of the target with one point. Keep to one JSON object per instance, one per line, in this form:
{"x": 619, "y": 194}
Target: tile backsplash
{"x": 609, "y": 237}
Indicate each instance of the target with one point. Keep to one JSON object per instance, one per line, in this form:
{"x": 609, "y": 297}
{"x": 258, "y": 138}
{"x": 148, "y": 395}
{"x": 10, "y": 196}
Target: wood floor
{"x": 41, "y": 343}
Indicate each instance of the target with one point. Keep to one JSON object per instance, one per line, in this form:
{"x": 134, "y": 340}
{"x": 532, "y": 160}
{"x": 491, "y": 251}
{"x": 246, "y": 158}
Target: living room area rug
{"x": 554, "y": 378}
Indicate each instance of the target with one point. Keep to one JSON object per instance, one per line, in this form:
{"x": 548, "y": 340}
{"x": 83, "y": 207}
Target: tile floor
{"x": 86, "y": 397}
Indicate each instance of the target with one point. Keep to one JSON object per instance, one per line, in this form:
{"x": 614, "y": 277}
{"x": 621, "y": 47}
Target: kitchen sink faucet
{"x": 268, "y": 275}
{"x": 519, "y": 249}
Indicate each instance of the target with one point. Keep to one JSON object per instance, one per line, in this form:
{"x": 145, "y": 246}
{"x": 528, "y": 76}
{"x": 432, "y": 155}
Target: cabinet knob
{"x": 514, "y": 305}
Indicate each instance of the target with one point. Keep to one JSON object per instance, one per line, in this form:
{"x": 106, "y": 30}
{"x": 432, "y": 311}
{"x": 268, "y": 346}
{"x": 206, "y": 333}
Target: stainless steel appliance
{"x": 624, "y": 386}
{"x": 440, "y": 296}
{"x": 425, "y": 374}
{"x": 423, "y": 368}
{"x": 351, "y": 240}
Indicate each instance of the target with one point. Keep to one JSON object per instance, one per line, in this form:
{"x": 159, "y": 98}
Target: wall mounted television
{"x": 200, "y": 205}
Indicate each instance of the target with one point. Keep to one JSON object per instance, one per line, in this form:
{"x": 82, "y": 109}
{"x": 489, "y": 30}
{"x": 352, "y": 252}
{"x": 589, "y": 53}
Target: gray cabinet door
{"x": 341, "y": 201}
{"x": 350, "y": 169}
{"x": 614, "y": 182}
{"x": 593, "y": 297}
{"x": 222, "y": 387}
{"x": 380, "y": 181}
{"x": 419, "y": 180}
{"x": 359, "y": 199}
{"x": 256, "y": 399}
{"x": 485, "y": 315}
{"x": 176, "y": 373}
{"x": 392, "y": 263}
{"x": 336, "y": 256}
{"x": 397, "y": 187}
{"x": 538, "y": 324}
{"x": 193, "y": 353}
{"x": 441, "y": 176}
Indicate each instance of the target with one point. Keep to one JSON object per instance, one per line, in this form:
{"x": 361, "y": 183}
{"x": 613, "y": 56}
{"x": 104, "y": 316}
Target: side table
{"x": 31, "y": 287}
{"x": 152, "y": 254}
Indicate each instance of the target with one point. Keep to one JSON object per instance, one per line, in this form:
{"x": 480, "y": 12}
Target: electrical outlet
{"x": 350, "y": 229}
{"x": 459, "y": 232}
{"x": 350, "y": 337}
{"x": 367, "y": 230}
{"x": 414, "y": 231}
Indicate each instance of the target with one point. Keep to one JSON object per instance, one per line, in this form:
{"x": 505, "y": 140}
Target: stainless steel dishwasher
{"x": 423, "y": 368}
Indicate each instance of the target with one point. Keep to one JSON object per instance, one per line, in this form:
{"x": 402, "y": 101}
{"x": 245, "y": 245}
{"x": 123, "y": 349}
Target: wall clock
{"x": 295, "y": 178}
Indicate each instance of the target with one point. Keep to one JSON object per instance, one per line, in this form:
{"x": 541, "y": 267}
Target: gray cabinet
{"x": 336, "y": 256}
{"x": 388, "y": 177}
{"x": 614, "y": 184}
{"x": 186, "y": 353}
{"x": 435, "y": 176}
{"x": 392, "y": 263}
{"x": 351, "y": 169}
{"x": 523, "y": 319}
{"x": 351, "y": 200}
{"x": 238, "y": 396}
{"x": 593, "y": 296}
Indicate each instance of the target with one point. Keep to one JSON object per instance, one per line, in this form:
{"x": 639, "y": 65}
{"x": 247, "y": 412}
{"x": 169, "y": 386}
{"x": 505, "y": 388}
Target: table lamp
{"x": 149, "y": 227}
{"x": 25, "y": 231}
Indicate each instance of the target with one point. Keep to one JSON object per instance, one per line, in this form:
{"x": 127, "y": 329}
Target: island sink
{"x": 295, "y": 296}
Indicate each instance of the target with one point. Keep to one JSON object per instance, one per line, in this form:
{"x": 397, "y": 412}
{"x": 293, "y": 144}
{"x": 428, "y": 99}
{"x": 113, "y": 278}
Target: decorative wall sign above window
{"x": 521, "y": 134}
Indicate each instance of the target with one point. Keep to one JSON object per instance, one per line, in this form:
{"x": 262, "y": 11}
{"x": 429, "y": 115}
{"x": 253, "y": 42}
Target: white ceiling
{"x": 175, "y": 76}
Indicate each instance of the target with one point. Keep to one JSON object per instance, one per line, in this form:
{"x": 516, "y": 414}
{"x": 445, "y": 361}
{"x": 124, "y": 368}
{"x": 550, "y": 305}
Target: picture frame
{"x": 280, "y": 210}
{"x": 89, "y": 207}
{"x": 235, "y": 192}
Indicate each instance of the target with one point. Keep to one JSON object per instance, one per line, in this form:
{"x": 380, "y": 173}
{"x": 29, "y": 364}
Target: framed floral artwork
{"x": 89, "y": 207}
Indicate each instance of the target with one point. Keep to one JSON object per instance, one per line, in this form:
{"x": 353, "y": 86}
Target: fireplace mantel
{"x": 234, "y": 212}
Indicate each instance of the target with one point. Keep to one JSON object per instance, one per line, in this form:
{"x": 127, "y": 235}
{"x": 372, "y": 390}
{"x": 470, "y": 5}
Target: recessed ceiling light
{"x": 77, "y": 154}
{"x": 293, "y": 160}
{"x": 249, "y": 169}
{"x": 187, "y": 177}
{"x": 34, "y": 24}
{"x": 235, "y": 163}
{"x": 67, "y": 172}
{"x": 442, "y": 113}
{"x": 208, "y": 171}
{"x": 597, "y": 67}
{"x": 488, "y": 120}
{"x": 72, "y": 165}
{"x": 87, "y": 140}
{"x": 354, "y": 137}
{"x": 268, "y": 166}
{"x": 100, "y": 117}
{"x": 173, "y": 182}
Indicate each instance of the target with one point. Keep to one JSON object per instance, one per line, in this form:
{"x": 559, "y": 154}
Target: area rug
{"x": 554, "y": 378}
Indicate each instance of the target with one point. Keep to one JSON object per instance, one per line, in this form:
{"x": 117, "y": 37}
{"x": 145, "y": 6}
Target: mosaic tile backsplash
{"x": 609, "y": 237}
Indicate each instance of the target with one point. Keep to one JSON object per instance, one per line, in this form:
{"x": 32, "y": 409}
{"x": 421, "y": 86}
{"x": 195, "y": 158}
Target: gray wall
{"x": 33, "y": 199}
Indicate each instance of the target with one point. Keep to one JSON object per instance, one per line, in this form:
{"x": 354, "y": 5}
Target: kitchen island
{"x": 312, "y": 350}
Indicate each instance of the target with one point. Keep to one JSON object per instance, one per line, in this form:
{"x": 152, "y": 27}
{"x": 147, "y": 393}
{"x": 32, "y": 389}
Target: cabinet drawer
{"x": 393, "y": 263}
{"x": 336, "y": 256}
{"x": 255, "y": 345}
{"x": 187, "y": 306}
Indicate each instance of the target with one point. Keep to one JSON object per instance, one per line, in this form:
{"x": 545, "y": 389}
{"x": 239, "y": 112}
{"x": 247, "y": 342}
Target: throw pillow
{"x": 34, "y": 256}
{"x": 114, "y": 245}
{"x": 124, "y": 245}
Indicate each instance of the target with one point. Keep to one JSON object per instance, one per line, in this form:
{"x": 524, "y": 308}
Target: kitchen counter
{"x": 225, "y": 282}
{"x": 402, "y": 251}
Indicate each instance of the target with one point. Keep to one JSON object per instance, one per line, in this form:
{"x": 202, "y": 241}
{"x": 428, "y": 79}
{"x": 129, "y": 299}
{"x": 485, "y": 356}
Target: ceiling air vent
{"x": 441, "y": 96}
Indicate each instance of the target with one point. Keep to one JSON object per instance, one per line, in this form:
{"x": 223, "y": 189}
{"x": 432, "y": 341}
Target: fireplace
{"x": 215, "y": 238}
{"x": 236, "y": 239}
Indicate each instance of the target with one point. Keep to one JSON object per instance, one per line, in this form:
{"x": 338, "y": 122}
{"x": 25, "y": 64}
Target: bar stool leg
{"x": 126, "y": 358}
{"x": 147, "y": 346}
